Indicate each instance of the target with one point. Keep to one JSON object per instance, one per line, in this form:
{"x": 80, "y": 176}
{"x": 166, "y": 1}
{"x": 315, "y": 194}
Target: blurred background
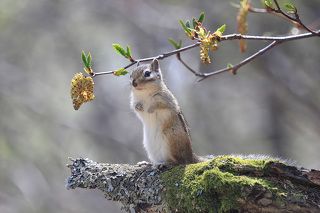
{"x": 271, "y": 107}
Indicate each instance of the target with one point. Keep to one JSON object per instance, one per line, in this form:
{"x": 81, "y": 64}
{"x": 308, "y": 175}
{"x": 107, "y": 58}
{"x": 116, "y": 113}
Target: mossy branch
{"x": 222, "y": 184}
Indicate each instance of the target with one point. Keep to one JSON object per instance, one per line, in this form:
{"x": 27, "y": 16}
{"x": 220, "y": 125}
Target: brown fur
{"x": 175, "y": 129}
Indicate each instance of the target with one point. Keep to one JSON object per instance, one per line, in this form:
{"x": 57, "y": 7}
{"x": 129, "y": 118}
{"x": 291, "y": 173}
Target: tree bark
{"x": 222, "y": 184}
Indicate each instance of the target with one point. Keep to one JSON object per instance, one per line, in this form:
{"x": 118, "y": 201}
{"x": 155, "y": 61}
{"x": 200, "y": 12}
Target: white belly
{"x": 154, "y": 140}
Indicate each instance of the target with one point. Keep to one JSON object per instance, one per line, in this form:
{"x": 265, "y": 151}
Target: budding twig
{"x": 188, "y": 67}
{"x": 275, "y": 41}
{"x": 242, "y": 63}
{"x": 159, "y": 57}
{"x": 278, "y": 11}
{"x": 263, "y": 10}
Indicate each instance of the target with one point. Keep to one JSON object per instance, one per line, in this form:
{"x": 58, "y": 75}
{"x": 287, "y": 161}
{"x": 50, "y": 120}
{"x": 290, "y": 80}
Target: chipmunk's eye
{"x": 147, "y": 74}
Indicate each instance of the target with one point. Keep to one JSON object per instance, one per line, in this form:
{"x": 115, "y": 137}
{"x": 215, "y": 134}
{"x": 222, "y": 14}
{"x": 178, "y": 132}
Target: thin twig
{"x": 102, "y": 73}
{"x": 266, "y": 11}
{"x": 275, "y": 42}
{"x": 268, "y": 38}
{"x": 282, "y": 14}
{"x": 294, "y": 19}
{"x": 165, "y": 55}
{"x": 188, "y": 67}
{"x": 303, "y": 25}
{"x": 279, "y": 12}
{"x": 242, "y": 63}
{"x": 159, "y": 57}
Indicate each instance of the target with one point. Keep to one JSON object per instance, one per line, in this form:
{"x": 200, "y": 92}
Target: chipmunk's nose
{"x": 134, "y": 83}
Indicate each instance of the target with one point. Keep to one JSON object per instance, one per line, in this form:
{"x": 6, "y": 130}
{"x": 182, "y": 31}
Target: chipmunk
{"x": 166, "y": 136}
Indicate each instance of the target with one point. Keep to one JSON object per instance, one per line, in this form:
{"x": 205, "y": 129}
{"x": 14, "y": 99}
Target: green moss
{"x": 233, "y": 163}
{"x": 212, "y": 186}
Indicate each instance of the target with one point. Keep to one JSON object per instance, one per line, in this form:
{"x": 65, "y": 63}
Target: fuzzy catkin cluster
{"x": 81, "y": 90}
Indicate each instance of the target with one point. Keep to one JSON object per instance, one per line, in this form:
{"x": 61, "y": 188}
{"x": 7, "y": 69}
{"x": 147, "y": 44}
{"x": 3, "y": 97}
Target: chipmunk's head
{"x": 146, "y": 76}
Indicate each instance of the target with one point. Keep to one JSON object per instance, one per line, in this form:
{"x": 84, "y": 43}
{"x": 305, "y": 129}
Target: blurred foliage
{"x": 272, "y": 106}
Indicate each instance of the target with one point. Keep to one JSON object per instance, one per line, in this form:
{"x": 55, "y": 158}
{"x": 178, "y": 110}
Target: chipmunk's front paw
{"x": 139, "y": 106}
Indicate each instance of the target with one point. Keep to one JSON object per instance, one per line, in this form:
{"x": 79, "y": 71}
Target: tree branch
{"x": 159, "y": 57}
{"x": 235, "y": 68}
{"x": 222, "y": 184}
{"x": 188, "y": 67}
{"x": 294, "y": 19}
{"x": 268, "y": 11}
{"x": 268, "y": 38}
{"x": 162, "y": 56}
{"x": 218, "y": 37}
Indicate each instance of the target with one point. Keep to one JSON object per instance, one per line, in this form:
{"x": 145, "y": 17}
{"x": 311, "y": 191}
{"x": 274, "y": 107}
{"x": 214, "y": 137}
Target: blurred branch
{"x": 275, "y": 187}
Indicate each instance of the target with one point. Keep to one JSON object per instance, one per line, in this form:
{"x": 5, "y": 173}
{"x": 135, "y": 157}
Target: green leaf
{"x": 185, "y": 28}
{"x": 84, "y": 59}
{"x": 201, "y": 17}
{"x": 119, "y": 49}
{"x": 194, "y": 23}
{"x": 89, "y": 59}
{"x": 222, "y": 29}
{"x": 128, "y": 51}
{"x": 120, "y": 72}
{"x": 290, "y": 8}
{"x": 188, "y": 24}
{"x": 229, "y": 65}
{"x": 268, "y": 3}
{"x": 174, "y": 43}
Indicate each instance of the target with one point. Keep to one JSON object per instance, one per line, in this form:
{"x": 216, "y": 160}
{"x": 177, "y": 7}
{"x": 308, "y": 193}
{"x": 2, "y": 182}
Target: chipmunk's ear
{"x": 154, "y": 66}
